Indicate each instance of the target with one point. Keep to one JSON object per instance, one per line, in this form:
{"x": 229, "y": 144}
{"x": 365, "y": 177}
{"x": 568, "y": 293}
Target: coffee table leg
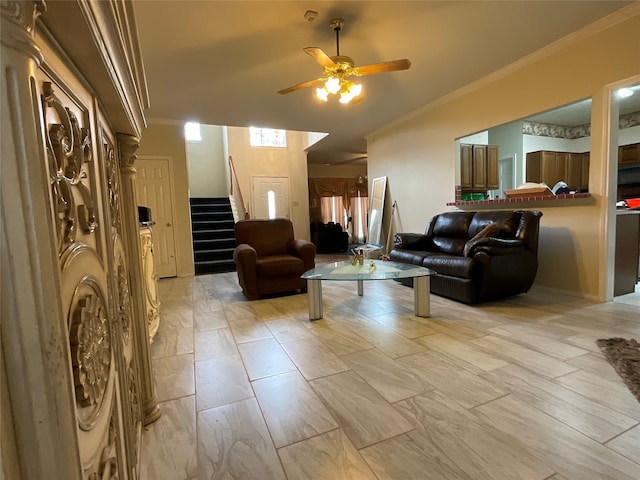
{"x": 360, "y": 288}
{"x": 314, "y": 288}
{"x": 422, "y": 300}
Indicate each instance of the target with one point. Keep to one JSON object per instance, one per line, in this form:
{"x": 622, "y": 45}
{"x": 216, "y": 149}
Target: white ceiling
{"x": 222, "y": 62}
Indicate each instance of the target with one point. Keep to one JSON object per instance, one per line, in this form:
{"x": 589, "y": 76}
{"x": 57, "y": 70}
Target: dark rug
{"x": 624, "y": 357}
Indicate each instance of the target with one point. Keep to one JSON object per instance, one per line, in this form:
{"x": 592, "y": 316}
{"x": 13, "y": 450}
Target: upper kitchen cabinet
{"x": 550, "y": 167}
{"x": 479, "y": 167}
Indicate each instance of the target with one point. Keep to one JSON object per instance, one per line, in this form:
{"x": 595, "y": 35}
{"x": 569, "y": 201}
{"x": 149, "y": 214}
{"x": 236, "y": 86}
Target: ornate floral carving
{"x": 68, "y": 148}
{"x": 151, "y": 283}
{"x": 18, "y": 25}
{"x": 113, "y": 186}
{"x": 90, "y": 342}
{"x": 124, "y": 303}
{"x": 108, "y": 468}
{"x": 134, "y": 402}
{"x": 127, "y": 147}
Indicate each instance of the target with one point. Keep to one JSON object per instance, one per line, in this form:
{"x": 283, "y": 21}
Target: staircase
{"x": 213, "y": 235}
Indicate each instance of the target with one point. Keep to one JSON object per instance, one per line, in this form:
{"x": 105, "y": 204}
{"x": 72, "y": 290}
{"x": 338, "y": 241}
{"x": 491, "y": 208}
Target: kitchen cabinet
{"x": 466, "y": 166}
{"x": 584, "y": 172}
{"x": 479, "y": 176}
{"x": 493, "y": 167}
{"x": 577, "y": 171}
{"x": 629, "y": 155}
{"x": 479, "y": 167}
{"x": 550, "y": 167}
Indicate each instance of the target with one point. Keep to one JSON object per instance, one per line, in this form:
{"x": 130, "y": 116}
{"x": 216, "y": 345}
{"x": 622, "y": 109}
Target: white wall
{"x": 627, "y": 136}
{"x": 508, "y": 138}
{"x": 418, "y": 155}
{"x": 264, "y": 161}
{"x": 533, "y": 143}
{"x": 206, "y": 163}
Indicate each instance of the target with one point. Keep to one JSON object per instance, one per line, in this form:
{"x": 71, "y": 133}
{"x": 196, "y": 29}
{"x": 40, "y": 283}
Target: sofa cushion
{"x": 279, "y": 265}
{"x": 451, "y": 265}
{"x": 507, "y": 221}
{"x": 491, "y": 230}
{"x": 450, "y": 231}
{"x": 414, "y": 257}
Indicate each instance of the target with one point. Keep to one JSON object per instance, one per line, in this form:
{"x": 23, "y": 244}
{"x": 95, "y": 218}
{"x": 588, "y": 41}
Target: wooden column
{"x": 34, "y": 340}
{"x": 127, "y": 146}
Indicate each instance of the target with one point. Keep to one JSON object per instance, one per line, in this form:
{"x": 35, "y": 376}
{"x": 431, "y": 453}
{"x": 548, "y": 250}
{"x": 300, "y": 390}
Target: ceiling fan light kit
{"x": 339, "y": 68}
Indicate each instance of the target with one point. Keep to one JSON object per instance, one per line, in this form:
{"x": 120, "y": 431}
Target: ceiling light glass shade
{"x": 349, "y": 92}
{"x": 624, "y": 93}
{"x": 322, "y": 94}
{"x": 332, "y": 84}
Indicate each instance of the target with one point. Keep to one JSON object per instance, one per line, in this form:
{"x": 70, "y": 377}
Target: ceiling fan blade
{"x": 383, "y": 67}
{"x": 322, "y": 58}
{"x": 310, "y": 83}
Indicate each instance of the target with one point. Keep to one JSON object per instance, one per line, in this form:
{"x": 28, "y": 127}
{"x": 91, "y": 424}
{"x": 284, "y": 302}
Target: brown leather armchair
{"x": 268, "y": 259}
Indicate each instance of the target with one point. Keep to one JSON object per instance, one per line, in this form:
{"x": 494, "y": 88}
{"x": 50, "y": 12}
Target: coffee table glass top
{"x": 371, "y": 270}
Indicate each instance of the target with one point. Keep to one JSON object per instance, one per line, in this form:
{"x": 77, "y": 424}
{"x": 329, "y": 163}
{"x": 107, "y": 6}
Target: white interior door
{"x": 270, "y": 197}
{"x": 153, "y": 183}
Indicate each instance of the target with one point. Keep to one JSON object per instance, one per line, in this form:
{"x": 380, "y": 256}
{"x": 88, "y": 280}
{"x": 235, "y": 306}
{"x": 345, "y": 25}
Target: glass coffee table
{"x": 370, "y": 270}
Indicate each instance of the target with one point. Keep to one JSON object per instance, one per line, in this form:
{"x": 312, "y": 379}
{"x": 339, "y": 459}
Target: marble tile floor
{"x": 515, "y": 389}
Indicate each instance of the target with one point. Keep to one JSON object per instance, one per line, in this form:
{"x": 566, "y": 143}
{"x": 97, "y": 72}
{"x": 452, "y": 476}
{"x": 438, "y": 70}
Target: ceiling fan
{"x": 338, "y": 70}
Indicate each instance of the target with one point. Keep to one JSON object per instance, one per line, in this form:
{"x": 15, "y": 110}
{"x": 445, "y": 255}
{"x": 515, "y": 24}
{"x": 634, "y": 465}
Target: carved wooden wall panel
{"x": 75, "y": 339}
{"x": 120, "y": 282}
{"x": 95, "y": 278}
{"x": 152, "y": 297}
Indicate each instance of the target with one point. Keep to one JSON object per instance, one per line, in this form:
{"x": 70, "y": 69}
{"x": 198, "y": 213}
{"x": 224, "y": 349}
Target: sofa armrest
{"x": 304, "y": 250}
{"x": 494, "y": 246}
{"x": 412, "y": 241}
{"x": 245, "y": 254}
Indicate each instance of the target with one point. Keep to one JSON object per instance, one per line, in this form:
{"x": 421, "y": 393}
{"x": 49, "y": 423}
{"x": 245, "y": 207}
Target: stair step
{"x": 225, "y": 234}
{"x": 214, "y": 266}
{"x": 212, "y": 216}
{"x": 213, "y": 234}
{"x": 199, "y": 225}
{"x": 212, "y": 255}
{"x": 214, "y": 243}
{"x": 209, "y": 201}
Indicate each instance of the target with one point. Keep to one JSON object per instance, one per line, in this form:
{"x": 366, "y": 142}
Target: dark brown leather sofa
{"x": 268, "y": 259}
{"x": 479, "y": 256}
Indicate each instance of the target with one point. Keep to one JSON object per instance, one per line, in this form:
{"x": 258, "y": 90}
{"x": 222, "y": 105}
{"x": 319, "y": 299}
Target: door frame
{"x": 169, "y": 160}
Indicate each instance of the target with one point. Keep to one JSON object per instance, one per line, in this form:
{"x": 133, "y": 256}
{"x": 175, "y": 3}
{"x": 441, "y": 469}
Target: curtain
{"x": 332, "y": 210}
{"x": 359, "y": 213}
{"x": 342, "y": 188}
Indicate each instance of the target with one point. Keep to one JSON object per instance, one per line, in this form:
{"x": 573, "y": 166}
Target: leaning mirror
{"x": 376, "y": 209}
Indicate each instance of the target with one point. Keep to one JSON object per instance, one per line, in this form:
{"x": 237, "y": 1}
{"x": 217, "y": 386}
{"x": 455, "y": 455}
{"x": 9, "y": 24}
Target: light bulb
{"x": 624, "y": 92}
{"x": 345, "y": 97}
{"x": 356, "y": 90}
{"x": 332, "y": 84}
{"x": 322, "y": 94}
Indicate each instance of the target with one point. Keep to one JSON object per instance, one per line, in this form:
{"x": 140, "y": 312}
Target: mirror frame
{"x": 376, "y": 209}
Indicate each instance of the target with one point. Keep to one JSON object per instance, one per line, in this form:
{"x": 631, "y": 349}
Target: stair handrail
{"x": 234, "y": 181}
